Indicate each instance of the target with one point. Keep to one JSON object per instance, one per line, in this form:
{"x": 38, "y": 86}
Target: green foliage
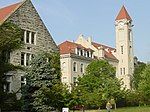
{"x": 137, "y": 74}
{"x": 98, "y": 85}
{"x": 132, "y": 98}
{"x": 10, "y": 40}
{"x": 144, "y": 85}
{"x": 44, "y": 89}
{"x": 10, "y": 37}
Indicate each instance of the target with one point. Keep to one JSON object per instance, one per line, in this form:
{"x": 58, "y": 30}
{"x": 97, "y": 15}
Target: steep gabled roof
{"x": 7, "y": 11}
{"x": 123, "y": 14}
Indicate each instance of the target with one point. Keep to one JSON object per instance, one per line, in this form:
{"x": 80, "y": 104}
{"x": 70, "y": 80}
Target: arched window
{"x": 81, "y": 68}
{"x": 74, "y": 66}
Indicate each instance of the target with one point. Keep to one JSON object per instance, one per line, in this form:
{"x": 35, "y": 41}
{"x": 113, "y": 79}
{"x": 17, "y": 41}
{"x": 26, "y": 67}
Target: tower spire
{"x": 123, "y": 14}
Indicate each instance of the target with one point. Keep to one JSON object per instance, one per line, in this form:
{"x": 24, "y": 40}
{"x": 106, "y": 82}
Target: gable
{"x": 27, "y": 18}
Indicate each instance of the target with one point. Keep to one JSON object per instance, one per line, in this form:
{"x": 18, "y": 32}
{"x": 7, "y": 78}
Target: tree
{"x": 144, "y": 86}
{"x": 98, "y": 85}
{"x": 136, "y": 76}
{"x": 10, "y": 40}
{"x": 44, "y": 89}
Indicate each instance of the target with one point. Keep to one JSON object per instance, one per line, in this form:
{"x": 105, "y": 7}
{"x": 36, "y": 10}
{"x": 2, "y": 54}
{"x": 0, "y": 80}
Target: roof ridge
{"x": 104, "y": 45}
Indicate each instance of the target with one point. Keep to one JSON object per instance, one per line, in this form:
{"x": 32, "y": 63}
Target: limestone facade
{"x": 74, "y": 59}
{"x": 121, "y": 57}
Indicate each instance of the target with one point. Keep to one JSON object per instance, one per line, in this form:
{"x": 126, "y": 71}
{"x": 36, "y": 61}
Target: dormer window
{"x": 81, "y": 51}
{"x": 78, "y": 51}
{"x": 85, "y": 53}
{"x": 88, "y": 54}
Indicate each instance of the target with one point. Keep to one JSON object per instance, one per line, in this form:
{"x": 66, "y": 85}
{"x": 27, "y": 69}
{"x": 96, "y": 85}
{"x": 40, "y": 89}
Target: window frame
{"x": 75, "y": 66}
{"x": 81, "y": 68}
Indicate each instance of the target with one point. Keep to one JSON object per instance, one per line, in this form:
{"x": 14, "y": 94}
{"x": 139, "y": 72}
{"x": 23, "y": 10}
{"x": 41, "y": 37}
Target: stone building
{"x": 36, "y": 38}
{"x": 121, "y": 57}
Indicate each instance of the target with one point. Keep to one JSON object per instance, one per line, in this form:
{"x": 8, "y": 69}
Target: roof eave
{"x": 21, "y": 3}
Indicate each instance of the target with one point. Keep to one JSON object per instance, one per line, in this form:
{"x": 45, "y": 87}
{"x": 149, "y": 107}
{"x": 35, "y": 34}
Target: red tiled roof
{"x": 107, "y": 54}
{"x": 69, "y": 47}
{"x": 123, "y": 14}
{"x": 7, "y": 11}
{"x": 104, "y": 46}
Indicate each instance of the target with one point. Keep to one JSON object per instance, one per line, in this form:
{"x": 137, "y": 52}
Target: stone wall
{"x": 27, "y": 18}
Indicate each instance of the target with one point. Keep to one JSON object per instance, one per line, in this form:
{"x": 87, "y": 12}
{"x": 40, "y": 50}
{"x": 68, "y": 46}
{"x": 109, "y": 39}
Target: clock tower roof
{"x": 123, "y": 14}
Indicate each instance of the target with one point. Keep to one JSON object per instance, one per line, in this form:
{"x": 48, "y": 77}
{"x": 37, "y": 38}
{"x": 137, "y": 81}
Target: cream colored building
{"x": 74, "y": 60}
{"x": 78, "y": 54}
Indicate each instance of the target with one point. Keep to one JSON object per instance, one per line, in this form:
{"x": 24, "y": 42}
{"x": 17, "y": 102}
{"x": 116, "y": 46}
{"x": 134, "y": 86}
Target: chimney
{"x": 90, "y": 39}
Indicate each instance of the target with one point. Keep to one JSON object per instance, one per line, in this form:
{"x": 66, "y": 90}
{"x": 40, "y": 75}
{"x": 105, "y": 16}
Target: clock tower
{"x": 124, "y": 47}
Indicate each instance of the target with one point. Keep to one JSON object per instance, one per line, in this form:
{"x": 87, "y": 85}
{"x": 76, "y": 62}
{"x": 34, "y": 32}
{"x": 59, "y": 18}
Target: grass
{"x": 126, "y": 109}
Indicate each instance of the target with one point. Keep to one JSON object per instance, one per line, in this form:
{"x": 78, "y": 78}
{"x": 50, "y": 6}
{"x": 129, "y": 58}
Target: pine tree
{"x": 44, "y": 88}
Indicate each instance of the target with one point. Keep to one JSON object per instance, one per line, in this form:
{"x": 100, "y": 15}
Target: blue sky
{"x": 66, "y": 19}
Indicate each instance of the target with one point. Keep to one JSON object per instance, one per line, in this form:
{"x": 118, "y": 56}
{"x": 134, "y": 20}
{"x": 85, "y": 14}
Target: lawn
{"x": 127, "y": 109}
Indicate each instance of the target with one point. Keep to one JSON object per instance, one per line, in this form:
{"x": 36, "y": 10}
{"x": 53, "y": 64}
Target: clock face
{"x": 121, "y": 24}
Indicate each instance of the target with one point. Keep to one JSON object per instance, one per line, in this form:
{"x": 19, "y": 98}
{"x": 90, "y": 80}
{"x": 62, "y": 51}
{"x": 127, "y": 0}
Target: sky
{"x": 67, "y": 19}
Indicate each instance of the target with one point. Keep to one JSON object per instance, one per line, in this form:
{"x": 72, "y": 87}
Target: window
{"x": 32, "y": 37}
{"x": 129, "y": 35}
{"x": 85, "y": 53}
{"x": 29, "y": 37}
{"x": 121, "y": 49}
{"x": 121, "y": 71}
{"x": 74, "y": 80}
{"x": 77, "y": 51}
{"x": 74, "y": 66}
{"x": 81, "y": 51}
{"x": 124, "y": 71}
{"x": 22, "y": 58}
{"x": 25, "y": 58}
{"x": 88, "y": 54}
{"x": 81, "y": 68}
